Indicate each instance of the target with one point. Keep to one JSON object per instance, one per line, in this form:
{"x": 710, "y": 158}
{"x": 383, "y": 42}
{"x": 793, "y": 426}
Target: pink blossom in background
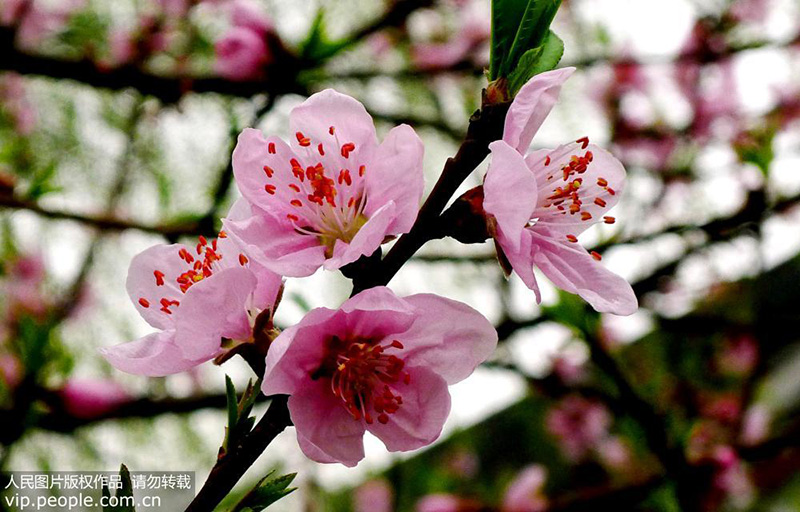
{"x": 247, "y": 14}
{"x": 579, "y": 425}
{"x": 39, "y": 23}
{"x": 465, "y": 44}
{"x": 615, "y": 454}
{"x": 122, "y": 47}
{"x": 241, "y": 54}
{"x": 568, "y": 371}
{"x": 379, "y": 363}
{"x": 14, "y": 101}
{"x": 739, "y": 355}
{"x": 754, "y": 11}
{"x": 374, "y": 496}
{"x": 91, "y": 398}
{"x": 174, "y": 8}
{"x": 463, "y": 464}
{"x": 23, "y": 288}
{"x": 446, "y": 503}
{"x": 335, "y": 194}
{"x": 526, "y": 492}
{"x": 732, "y": 477}
{"x": 243, "y": 51}
{"x": 195, "y": 296}
{"x": 755, "y": 425}
{"x": 541, "y": 202}
{"x": 10, "y": 11}
{"x": 11, "y": 371}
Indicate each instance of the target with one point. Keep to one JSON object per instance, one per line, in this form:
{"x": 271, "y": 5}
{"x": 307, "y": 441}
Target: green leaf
{"x": 240, "y": 423}
{"x": 126, "y": 491}
{"x": 538, "y": 60}
{"x": 317, "y": 46}
{"x": 517, "y": 27}
{"x": 266, "y": 492}
{"x": 532, "y": 32}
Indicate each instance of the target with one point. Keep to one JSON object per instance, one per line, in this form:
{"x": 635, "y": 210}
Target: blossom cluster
{"x": 331, "y": 195}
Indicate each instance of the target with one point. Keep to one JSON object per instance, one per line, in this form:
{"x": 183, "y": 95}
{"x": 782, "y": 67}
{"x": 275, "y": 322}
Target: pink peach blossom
{"x": 379, "y": 363}
{"x": 194, "y": 301}
{"x": 463, "y": 45}
{"x": 246, "y": 14}
{"x": 446, "y": 503}
{"x": 331, "y": 196}
{"x": 579, "y": 425}
{"x": 39, "y": 23}
{"x": 90, "y": 398}
{"x": 541, "y": 202}
{"x": 526, "y": 492}
{"x": 10, "y": 11}
{"x": 14, "y": 101}
{"x": 241, "y": 54}
{"x": 11, "y": 371}
{"x": 374, "y": 496}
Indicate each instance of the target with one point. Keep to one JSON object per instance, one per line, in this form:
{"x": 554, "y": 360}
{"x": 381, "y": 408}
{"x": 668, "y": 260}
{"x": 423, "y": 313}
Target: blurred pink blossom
{"x": 90, "y": 398}
{"x": 446, "y": 503}
{"x": 526, "y": 492}
{"x": 579, "y": 425}
{"x": 11, "y": 371}
{"x": 381, "y": 364}
{"x": 39, "y": 23}
{"x": 246, "y": 14}
{"x": 374, "y": 496}
{"x": 465, "y": 44}
{"x": 10, "y": 11}
{"x": 739, "y": 356}
{"x": 241, "y": 54}
{"x": 14, "y": 101}
{"x": 755, "y": 425}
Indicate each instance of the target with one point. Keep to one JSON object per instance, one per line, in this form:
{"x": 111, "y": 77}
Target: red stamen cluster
{"x": 569, "y": 198}
{"x": 199, "y": 268}
{"x": 364, "y": 377}
{"x": 325, "y": 198}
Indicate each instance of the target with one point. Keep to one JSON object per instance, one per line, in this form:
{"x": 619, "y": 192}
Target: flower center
{"x": 326, "y": 199}
{"x": 364, "y": 377}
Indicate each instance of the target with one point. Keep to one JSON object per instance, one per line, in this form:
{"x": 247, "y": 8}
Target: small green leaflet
{"x": 538, "y": 60}
{"x": 266, "y": 492}
{"x": 240, "y": 423}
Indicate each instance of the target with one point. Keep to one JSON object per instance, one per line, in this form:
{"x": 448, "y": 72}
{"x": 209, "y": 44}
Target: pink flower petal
{"x": 570, "y": 267}
{"x": 377, "y": 312}
{"x": 154, "y": 355}
{"x": 522, "y": 263}
{"x": 326, "y": 109}
{"x": 419, "y": 421}
{"x": 250, "y": 159}
{"x": 448, "y": 337}
{"x": 297, "y": 352}
{"x": 602, "y": 184}
{"x": 142, "y": 283}
{"x": 276, "y": 246}
{"x": 531, "y": 106}
{"x": 509, "y": 193}
{"x": 396, "y": 175}
{"x": 212, "y": 309}
{"x": 326, "y": 432}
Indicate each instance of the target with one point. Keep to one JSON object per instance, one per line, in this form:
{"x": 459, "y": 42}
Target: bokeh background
{"x": 117, "y": 121}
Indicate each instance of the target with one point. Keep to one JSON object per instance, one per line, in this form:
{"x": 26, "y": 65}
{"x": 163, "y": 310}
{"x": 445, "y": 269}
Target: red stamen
{"x": 270, "y": 189}
{"x": 144, "y": 302}
{"x": 271, "y": 148}
{"x": 159, "y": 277}
{"x": 596, "y": 255}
